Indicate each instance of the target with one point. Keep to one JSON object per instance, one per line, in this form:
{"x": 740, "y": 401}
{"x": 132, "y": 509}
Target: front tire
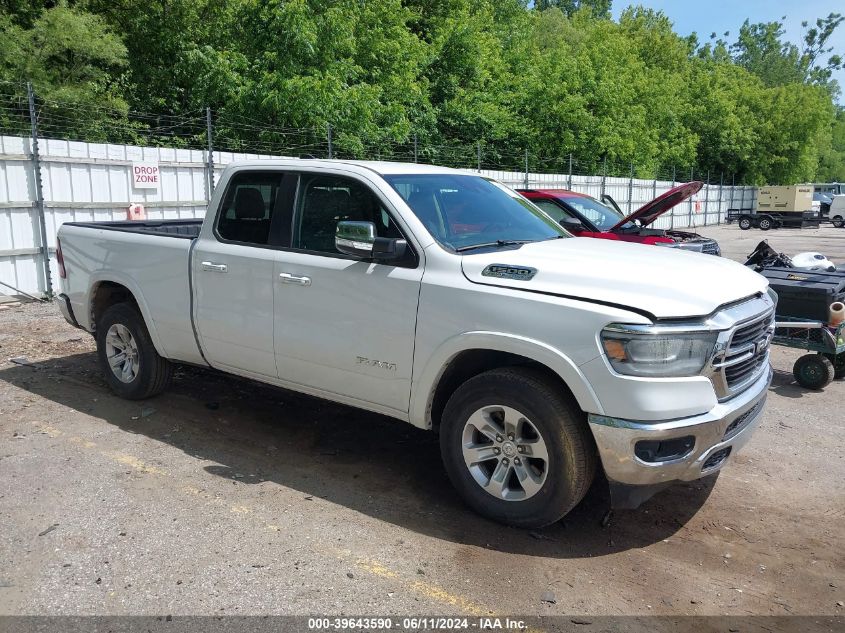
{"x": 745, "y": 223}
{"x": 517, "y": 449}
{"x": 765, "y": 224}
{"x": 131, "y": 366}
{"x": 838, "y": 221}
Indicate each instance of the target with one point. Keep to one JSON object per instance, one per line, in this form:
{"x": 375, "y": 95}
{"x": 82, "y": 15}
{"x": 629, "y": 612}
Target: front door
{"x": 344, "y": 326}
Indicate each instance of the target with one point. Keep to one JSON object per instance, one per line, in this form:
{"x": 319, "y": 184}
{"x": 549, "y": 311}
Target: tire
{"x": 765, "y": 224}
{"x": 122, "y": 328}
{"x": 838, "y": 221}
{"x": 813, "y": 371}
{"x": 544, "y": 423}
{"x": 745, "y": 223}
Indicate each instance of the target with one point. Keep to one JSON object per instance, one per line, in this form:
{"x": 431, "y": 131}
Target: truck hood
{"x": 650, "y": 211}
{"x": 662, "y": 282}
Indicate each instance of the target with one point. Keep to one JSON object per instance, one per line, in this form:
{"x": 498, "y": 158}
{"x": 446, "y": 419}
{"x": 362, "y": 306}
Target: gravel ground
{"x": 223, "y": 496}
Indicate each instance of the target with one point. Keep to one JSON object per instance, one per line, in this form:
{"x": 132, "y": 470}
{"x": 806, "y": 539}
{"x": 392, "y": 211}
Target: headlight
{"x": 654, "y": 353}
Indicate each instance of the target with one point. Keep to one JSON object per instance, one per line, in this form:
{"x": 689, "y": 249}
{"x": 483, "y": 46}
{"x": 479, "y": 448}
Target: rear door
{"x": 343, "y": 325}
{"x": 234, "y": 273}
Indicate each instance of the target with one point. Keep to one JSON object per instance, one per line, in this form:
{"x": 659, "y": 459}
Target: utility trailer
{"x": 773, "y": 220}
{"x": 779, "y": 207}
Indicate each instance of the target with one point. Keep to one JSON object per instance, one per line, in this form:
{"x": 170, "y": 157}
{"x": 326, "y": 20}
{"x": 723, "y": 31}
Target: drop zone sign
{"x": 145, "y": 175}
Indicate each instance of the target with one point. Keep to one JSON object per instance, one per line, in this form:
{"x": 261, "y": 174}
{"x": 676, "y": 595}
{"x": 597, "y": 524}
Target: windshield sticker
{"x": 503, "y": 271}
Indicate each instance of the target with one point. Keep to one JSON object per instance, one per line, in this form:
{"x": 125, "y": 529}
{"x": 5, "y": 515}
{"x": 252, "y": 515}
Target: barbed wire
{"x": 236, "y": 132}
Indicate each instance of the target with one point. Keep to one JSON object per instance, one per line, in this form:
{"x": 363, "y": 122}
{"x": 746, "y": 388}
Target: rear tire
{"x": 745, "y": 223}
{"x": 130, "y": 363}
{"x": 536, "y": 458}
{"x": 838, "y": 221}
{"x": 813, "y": 371}
{"x": 765, "y": 224}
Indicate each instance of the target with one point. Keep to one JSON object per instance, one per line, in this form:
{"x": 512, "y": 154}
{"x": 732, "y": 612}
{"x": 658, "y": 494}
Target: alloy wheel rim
{"x": 122, "y": 353}
{"x": 505, "y": 453}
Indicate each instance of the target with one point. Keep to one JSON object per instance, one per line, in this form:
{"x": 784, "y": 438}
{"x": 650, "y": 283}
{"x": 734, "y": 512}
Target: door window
{"x": 325, "y": 201}
{"x": 554, "y": 210}
{"x": 248, "y": 207}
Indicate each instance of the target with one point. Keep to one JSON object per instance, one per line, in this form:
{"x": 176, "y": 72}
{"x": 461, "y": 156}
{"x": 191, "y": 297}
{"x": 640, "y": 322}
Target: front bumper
{"x": 718, "y": 434}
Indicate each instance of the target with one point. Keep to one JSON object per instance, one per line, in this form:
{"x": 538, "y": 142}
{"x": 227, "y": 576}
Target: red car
{"x": 585, "y": 216}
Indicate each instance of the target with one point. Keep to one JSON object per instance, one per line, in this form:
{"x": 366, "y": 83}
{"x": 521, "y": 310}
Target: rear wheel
{"x": 745, "y": 223}
{"x": 813, "y": 371}
{"x": 838, "y": 221}
{"x": 765, "y": 224}
{"x": 128, "y": 358}
{"x": 516, "y": 449}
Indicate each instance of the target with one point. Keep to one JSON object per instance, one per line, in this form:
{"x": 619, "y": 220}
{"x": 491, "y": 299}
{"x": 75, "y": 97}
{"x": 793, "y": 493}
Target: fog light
{"x": 655, "y": 451}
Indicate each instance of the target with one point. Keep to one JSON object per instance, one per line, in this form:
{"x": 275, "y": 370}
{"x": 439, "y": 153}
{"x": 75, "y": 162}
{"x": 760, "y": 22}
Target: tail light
{"x": 60, "y": 260}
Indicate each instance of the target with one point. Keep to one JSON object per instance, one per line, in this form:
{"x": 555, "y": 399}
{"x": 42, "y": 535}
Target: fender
{"x": 117, "y": 277}
{"x": 424, "y": 384}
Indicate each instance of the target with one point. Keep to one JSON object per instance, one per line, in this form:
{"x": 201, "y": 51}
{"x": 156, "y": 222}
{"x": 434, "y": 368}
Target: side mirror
{"x": 359, "y": 240}
{"x": 571, "y": 224}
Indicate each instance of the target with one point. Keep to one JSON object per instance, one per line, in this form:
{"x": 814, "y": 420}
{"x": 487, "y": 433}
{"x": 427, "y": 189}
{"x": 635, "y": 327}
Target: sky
{"x": 705, "y": 17}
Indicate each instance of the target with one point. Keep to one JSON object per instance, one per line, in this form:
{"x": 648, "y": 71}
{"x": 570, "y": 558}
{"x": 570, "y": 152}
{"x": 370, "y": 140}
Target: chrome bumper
{"x": 616, "y": 440}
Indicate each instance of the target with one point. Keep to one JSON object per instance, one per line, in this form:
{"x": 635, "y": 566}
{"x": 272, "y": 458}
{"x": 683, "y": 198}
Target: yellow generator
{"x": 794, "y": 199}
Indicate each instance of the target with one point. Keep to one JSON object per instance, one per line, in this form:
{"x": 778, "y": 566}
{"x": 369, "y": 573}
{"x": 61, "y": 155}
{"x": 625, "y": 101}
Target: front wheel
{"x": 765, "y": 224}
{"x": 745, "y": 223}
{"x": 515, "y": 448}
{"x": 813, "y": 371}
{"x": 130, "y": 363}
{"x": 838, "y": 221}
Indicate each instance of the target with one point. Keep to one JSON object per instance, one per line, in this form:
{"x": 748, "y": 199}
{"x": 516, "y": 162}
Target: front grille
{"x": 745, "y": 354}
{"x": 710, "y": 247}
{"x": 752, "y": 332}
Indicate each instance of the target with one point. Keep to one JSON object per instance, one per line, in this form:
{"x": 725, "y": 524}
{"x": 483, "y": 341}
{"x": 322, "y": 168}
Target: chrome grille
{"x": 743, "y": 354}
{"x": 710, "y": 247}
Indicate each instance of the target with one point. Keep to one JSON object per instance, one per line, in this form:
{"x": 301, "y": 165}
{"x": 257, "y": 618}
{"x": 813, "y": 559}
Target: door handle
{"x": 287, "y": 278}
{"x": 215, "y": 268}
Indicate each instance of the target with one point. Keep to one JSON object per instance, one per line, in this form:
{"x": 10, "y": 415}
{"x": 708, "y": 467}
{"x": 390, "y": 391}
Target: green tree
{"x": 832, "y": 161}
{"x": 598, "y": 8}
{"x": 75, "y": 64}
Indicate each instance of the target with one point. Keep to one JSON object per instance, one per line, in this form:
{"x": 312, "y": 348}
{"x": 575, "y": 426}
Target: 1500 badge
{"x": 503, "y": 271}
{"x": 380, "y": 364}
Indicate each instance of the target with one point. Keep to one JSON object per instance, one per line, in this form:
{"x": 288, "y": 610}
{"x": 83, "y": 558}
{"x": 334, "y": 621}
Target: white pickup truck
{"x": 446, "y": 300}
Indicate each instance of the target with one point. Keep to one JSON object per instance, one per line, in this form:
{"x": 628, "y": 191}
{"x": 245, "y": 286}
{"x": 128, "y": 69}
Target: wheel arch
{"x": 468, "y": 355}
{"x": 108, "y": 291}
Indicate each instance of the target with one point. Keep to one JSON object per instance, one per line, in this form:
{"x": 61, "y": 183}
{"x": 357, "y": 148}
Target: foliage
{"x": 72, "y": 60}
{"x": 832, "y": 161}
{"x": 460, "y": 77}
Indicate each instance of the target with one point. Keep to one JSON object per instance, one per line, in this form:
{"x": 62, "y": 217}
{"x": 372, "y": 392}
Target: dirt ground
{"x": 223, "y": 496}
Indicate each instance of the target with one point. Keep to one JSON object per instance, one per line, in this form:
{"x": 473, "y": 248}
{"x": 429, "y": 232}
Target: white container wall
{"x": 85, "y": 182}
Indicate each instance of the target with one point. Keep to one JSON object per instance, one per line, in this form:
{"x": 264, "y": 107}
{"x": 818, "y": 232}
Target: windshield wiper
{"x": 497, "y": 243}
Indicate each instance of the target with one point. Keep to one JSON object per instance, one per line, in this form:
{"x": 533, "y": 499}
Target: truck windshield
{"x": 465, "y": 211}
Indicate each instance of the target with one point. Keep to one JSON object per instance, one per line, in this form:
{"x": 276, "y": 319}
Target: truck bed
{"x": 185, "y": 229}
{"x": 151, "y": 259}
